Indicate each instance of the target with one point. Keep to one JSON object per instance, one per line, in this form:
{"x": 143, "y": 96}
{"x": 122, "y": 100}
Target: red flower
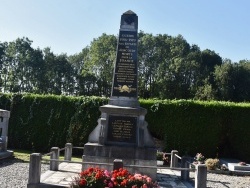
{"x": 124, "y": 182}
{"x": 98, "y": 178}
{"x": 82, "y": 182}
{"x": 98, "y": 175}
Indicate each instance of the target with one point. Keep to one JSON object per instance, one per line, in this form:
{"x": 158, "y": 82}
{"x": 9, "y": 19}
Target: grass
{"x": 24, "y": 156}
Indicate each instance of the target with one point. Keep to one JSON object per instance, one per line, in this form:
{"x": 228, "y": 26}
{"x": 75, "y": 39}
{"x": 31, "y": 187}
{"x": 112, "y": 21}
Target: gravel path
{"x": 14, "y": 174}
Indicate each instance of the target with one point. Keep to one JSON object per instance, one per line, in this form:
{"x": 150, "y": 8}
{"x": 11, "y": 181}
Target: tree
{"x": 233, "y": 80}
{"x": 85, "y": 80}
{"x": 209, "y": 60}
{"x": 205, "y": 92}
{"x": 101, "y": 62}
{"x": 177, "y": 78}
{"x": 21, "y": 66}
{"x": 225, "y": 80}
{"x": 147, "y": 64}
{"x": 168, "y": 67}
{"x": 60, "y": 75}
{"x": 243, "y": 81}
{"x": 2, "y": 57}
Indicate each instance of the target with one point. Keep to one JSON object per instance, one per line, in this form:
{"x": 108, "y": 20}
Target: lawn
{"x": 24, "y": 156}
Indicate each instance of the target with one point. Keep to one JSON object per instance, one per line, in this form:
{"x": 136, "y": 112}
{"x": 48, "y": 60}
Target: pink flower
{"x": 106, "y": 173}
{"x": 144, "y": 186}
{"x": 111, "y": 185}
{"x": 149, "y": 180}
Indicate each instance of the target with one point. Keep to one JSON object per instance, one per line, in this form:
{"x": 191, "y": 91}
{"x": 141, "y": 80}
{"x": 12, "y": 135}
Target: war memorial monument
{"x": 122, "y": 131}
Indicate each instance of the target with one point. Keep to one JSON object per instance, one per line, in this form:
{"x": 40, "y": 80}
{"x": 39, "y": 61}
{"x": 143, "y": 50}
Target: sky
{"x": 68, "y": 26}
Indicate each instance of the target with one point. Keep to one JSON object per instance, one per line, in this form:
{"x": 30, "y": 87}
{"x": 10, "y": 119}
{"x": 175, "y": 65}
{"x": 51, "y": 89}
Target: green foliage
{"x": 215, "y": 129}
{"x": 211, "y": 128}
{"x": 168, "y": 68}
{"x": 5, "y": 101}
{"x": 237, "y": 133}
{"x": 98, "y": 68}
{"x": 39, "y": 122}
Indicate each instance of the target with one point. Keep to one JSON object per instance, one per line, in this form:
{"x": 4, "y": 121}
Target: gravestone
{"x": 4, "y": 122}
{"x": 122, "y": 131}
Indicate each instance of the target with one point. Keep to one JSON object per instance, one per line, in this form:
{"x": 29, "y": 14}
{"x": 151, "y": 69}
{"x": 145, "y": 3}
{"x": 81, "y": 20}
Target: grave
{"x": 122, "y": 131}
{"x": 4, "y": 122}
{"x": 236, "y": 167}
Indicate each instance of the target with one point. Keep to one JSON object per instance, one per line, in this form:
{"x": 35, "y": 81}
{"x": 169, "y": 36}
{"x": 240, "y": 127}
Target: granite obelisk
{"x": 124, "y": 89}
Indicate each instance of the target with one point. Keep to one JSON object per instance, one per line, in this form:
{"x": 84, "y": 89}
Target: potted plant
{"x": 199, "y": 158}
{"x": 162, "y": 158}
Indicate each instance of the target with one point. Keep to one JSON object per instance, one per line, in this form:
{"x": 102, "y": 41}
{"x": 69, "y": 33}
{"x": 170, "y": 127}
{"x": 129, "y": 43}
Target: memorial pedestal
{"x": 122, "y": 133}
{"x": 130, "y": 156}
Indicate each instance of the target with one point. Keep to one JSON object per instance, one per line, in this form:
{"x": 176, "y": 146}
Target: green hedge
{"x": 39, "y": 122}
{"x": 216, "y": 129}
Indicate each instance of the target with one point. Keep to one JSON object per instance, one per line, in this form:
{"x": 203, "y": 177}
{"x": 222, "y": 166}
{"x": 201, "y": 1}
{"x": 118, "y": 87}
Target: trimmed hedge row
{"x": 39, "y": 122}
{"x": 217, "y": 129}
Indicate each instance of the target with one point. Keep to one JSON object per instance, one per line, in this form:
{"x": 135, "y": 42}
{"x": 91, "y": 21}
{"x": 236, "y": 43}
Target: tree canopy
{"x": 168, "y": 68}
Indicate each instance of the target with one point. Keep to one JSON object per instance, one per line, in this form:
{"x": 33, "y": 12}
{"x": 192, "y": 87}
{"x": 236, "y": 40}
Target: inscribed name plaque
{"x": 125, "y": 76}
{"x": 122, "y": 129}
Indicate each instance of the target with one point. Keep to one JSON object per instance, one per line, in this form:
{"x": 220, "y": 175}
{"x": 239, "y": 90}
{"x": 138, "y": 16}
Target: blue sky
{"x": 67, "y": 26}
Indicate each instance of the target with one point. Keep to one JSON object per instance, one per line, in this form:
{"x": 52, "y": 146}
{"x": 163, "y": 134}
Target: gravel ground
{"x": 225, "y": 181}
{"x": 14, "y": 174}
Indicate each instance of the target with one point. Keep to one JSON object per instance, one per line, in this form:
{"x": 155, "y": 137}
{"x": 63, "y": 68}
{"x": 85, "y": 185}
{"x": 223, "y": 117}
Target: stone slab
{"x": 6, "y": 154}
{"x": 228, "y": 160}
{"x": 4, "y": 113}
{"x": 61, "y": 178}
{"x": 237, "y": 167}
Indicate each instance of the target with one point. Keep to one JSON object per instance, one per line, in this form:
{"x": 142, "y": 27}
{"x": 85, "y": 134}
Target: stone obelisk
{"x": 124, "y": 88}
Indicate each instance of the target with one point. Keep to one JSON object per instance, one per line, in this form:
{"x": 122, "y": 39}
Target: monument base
{"x": 143, "y": 158}
{"x": 137, "y": 149}
{"x": 120, "y": 152}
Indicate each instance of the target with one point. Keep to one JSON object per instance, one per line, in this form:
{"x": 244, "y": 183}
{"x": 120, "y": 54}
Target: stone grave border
{"x": 34, "y": 179}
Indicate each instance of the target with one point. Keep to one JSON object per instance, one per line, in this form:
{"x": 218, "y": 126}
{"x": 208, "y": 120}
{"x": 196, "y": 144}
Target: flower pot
{"x": 159, "y": 163}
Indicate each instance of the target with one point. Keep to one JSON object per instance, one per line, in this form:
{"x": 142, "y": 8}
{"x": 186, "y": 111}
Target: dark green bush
{"x": 211, "y": 128}
{"x": 215, "y": 129}
{"x": 39, "y": 122}
{"x": 238, "y": 133}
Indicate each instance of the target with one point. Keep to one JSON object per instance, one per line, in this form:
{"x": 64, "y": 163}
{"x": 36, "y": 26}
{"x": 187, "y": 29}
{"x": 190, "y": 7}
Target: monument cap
{"x": 129, "y": 20}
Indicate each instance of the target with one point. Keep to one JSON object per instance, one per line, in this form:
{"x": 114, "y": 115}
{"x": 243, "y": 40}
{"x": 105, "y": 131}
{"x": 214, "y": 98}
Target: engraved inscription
{"x": 122, "y": 129}
{"x": 125, "y": 77}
